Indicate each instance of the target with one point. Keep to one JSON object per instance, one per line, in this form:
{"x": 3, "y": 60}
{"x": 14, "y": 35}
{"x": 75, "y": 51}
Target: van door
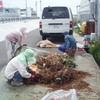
{"x": 56, "y": 20}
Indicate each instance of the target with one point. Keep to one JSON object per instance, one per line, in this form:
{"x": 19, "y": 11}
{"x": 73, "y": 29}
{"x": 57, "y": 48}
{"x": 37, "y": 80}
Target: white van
{"x": 54, "y": 20}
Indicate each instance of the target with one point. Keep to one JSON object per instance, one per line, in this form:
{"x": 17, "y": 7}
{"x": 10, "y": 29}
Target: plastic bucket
{"x": 93, "y": 36}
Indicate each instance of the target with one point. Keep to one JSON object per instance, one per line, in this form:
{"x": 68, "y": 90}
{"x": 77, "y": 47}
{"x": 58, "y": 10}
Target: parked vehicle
{"x": 54, "y": 20}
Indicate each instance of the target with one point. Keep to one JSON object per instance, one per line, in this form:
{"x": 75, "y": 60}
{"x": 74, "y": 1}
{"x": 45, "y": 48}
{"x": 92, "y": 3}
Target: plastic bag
{"x": 61, "y": 95}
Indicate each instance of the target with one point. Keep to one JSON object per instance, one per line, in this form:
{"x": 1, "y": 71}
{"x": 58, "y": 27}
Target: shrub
{"x": 94, "y": 49}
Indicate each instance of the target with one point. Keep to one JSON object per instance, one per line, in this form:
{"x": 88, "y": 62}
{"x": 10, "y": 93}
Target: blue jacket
{"x": 70, "y": 42}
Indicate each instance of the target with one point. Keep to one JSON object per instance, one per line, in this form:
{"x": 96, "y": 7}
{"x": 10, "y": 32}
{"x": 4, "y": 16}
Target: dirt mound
{"x": 55, "y": 71}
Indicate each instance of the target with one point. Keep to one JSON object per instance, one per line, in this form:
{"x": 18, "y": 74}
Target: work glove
{"x": 32, "y": 76}
{"x": 66, "y": 51}
{"x": 34, "y": 72}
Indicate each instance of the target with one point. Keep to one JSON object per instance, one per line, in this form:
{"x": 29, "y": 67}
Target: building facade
{"x": 90, "y": 10}
{"x": 84, "y": 11}
{"x": 29, "y": 13}
{"x": 9, "y": 13}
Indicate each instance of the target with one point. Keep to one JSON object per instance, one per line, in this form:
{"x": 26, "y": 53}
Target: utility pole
{"x": 36, "y": 8}
{"x": 40, "y": 5}
{"x": 26, "y": 7}
{"x": 96, "y": 19}
{"x": 77, "y": 7}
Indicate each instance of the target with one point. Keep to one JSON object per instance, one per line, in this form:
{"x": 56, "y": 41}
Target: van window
{"x": 55, "y": 12}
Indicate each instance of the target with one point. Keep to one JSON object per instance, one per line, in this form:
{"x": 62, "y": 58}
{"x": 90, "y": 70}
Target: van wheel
{"x": 43, "y": 37}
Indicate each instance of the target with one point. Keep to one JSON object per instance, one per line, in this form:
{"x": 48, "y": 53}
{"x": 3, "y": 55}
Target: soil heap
{"x": 57, "y": 71}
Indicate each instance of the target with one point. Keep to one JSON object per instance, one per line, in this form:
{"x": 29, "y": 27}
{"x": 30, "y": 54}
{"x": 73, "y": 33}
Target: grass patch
{"x": 78, "y": 31}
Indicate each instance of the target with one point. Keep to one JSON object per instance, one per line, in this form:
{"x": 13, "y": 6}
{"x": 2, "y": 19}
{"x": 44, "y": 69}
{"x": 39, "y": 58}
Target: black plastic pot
{"x": 87, "y": 50}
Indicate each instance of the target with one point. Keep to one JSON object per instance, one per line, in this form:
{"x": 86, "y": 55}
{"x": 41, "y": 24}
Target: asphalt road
{"x": 32, "y": 39}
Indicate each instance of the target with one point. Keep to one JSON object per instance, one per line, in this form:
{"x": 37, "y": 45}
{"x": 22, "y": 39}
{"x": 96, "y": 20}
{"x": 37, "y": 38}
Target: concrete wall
{"x": 85, "y": 17}
{"x": 84, "y": 11}
{"x": 84, "y": 14}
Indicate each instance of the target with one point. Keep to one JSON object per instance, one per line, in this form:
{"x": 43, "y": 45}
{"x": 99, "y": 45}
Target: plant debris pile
{"x": 55, "y": 68}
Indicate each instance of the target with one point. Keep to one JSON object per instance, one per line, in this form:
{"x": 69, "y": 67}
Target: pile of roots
{"x": 53, "y": 68}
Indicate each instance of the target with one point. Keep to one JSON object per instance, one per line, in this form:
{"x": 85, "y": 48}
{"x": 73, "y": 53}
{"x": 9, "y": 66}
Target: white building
{"x": 84, "y": 11}
{"x": 90, "y": 10}
{"x": 29, "y": 12}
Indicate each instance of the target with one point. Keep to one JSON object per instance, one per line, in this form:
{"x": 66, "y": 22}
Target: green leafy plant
{"x": 78, "y": 31}
{"x": 67, "y": 61}
{"x": 92, "y": 41}
{"x": 94, "y": 49}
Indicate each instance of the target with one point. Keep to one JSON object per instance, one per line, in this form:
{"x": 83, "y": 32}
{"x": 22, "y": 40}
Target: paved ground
{"x": 79, "y": 40}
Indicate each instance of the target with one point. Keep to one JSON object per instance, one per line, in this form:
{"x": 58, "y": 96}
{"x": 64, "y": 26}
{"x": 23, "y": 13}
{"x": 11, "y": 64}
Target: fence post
{"x": 2, "y": 20}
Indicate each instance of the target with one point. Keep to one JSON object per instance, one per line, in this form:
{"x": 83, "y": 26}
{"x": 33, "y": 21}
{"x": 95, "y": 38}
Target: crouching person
{"x": 70, "y": 44}
{"x": 16, "y": 69}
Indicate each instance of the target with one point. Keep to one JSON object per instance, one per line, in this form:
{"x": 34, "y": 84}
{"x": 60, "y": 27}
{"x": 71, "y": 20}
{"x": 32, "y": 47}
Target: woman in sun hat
{"x": 16, "y": 69}
{"x": 12, "y": 38}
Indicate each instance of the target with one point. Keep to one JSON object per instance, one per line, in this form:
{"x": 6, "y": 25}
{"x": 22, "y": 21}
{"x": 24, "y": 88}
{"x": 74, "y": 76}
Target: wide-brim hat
{"x": 32, "y": 59}
{"x": 30, "y": 55}
{"x": 27, "y": 55}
